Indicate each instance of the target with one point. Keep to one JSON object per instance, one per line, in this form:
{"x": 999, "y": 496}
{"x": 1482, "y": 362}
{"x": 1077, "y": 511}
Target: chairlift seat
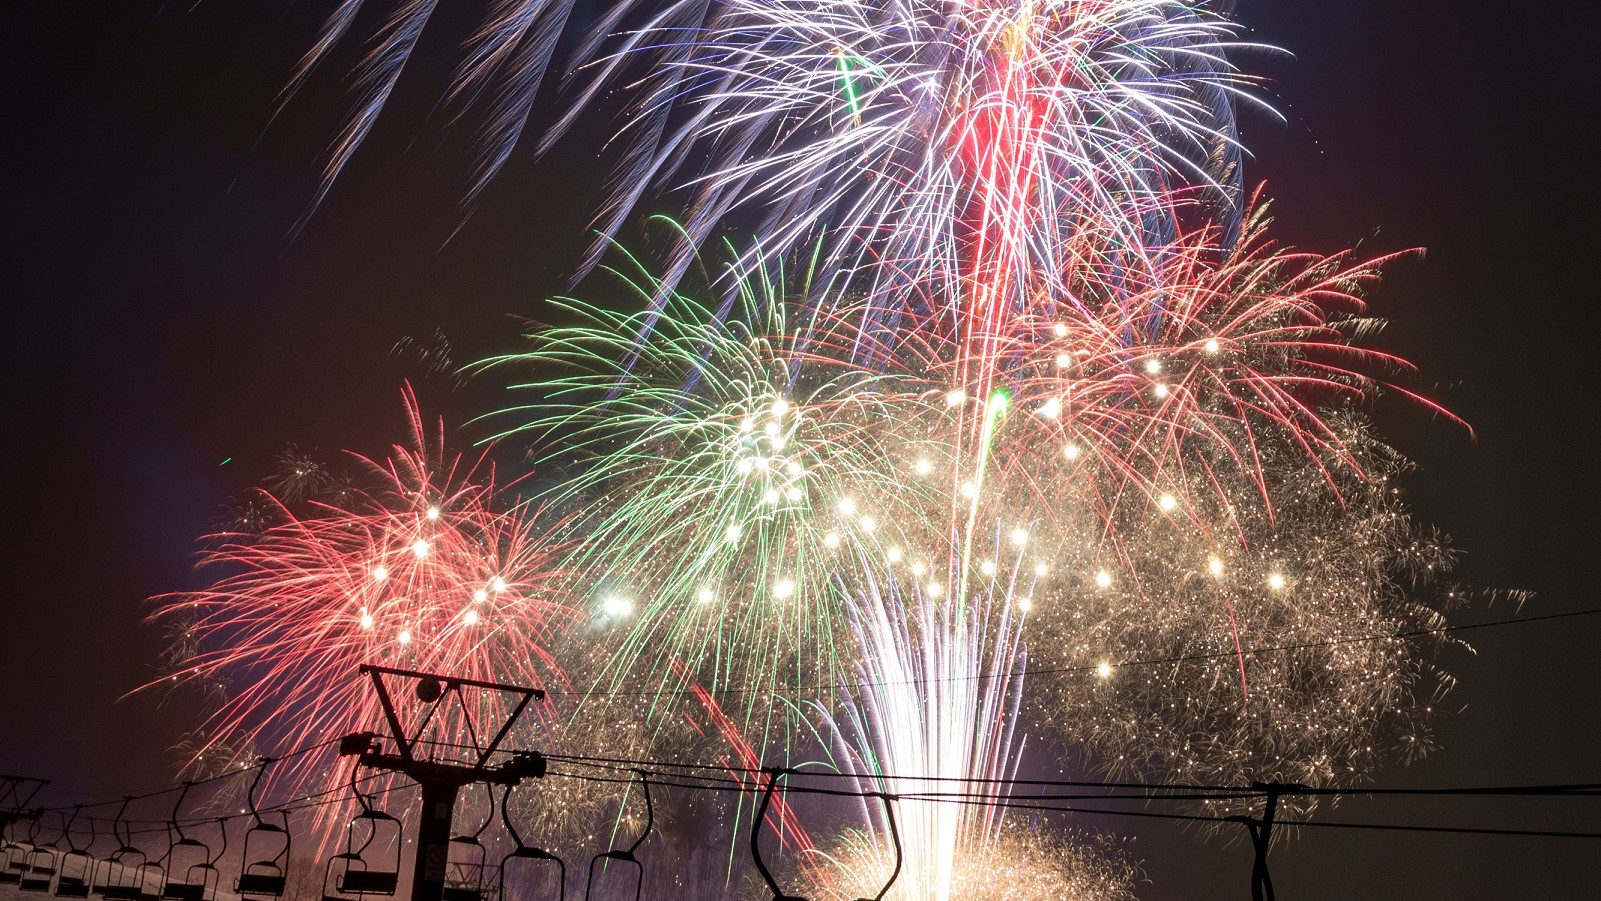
{"x": 271, "y": 884}
{"x": 369, "y": 882}
{"x": 72, "y": 887}
{"x": 462, "y": 893}
{"x": 183, "y": 891}
{"x": 33, "y": 882}
{"x": 122, "y": 892}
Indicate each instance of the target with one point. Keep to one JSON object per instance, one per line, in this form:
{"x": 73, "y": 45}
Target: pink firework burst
{"x": 429, "y": 566}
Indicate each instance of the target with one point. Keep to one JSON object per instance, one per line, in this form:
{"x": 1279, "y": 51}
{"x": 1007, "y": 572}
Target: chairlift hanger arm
{"x": 756, "y": 834}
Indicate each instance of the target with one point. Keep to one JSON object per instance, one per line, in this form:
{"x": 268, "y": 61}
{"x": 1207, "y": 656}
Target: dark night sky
{"x": 163, "y": 318}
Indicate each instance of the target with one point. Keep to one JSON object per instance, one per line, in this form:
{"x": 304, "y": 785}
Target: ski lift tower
{"x": 440, "y": 776}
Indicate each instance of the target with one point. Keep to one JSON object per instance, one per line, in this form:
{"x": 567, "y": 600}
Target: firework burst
{"x": 420, "y": 571}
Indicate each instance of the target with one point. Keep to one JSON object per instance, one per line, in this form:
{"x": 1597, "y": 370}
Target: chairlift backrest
{"x": 756, "y": 835}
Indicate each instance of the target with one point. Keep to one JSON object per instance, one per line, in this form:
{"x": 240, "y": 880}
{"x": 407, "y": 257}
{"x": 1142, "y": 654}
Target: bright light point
{"x": 771, "y": 430}
{"x": 1000, "y": 400}
{"x": 1060, "y": 329}
{"x": 893, "y": 555}
{"x": 934, "y": 589}
{"x": 793, "y": 468}
{"x": 780, "y": 407}
{"x": 792, "y": 493}
{"x": 1025, "y": 604}
{"x": 987, "y": 567}
{"x": 1214, "y": 566}
{"x": 1103, "y": 579}
{"x": 969, "y": 489}
{"x": 918, "y": 568}
{"x": 744, "y": 466}
{"x": 746, "y": 424}
{"x": 480, "y": 596}
{"x": 869, "y": 524}
{"x": 497, "y": 584}
{"x": 615, "y": 606}
{"x": 1064, "y": 361}
{"x": 847, "y": 506}
{"x": 1051, "y": 408}
{"x": 784, "y": 588}
{"x": 956, "y": 398}
{"x": 380, "y": 573}
{"x": 433, "y": 512}
{"x": 470, "y": 617}
{"x": 1211, "y": 345}
{"x": 1104, "y": 670}
{"x": 1160, "y": 389}
{"x": 733, "y": 532}
{"x": 831, "y": 541}
{"x": 366, "y": 620}
{"x": 404, "y": 637}
{"x": 1167, "y": 502}
{"x": 1020, "y": 536}
{"x": 1275, "y": 581}
{"x": 922, "y": 467}
{"x": 1071, "y": 451}
{"x": 420, "y": 548}
{"x": 770, "y": 496}
{"x": 1041, "y": 569}
{"x": 705, "y": 596}
{"x": 1153, "y": 366}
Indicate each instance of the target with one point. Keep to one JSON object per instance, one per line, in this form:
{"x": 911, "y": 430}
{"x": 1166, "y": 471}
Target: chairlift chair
{"x": 626, "y": 855}
{"x": 11, "y": 863}
{"x": 75, "y": 868}
{"x": 38, "y": 864}
{"x": 261, "y": 876}
{"x": 38, "y": 869}
{"x": 761, "y": 817}
{"x": 201, "y": 879}
{"x": 350, "y": 873}
{"x": 522, "y": 851}
{"x": 468, "y": 859}
{"x": 12, "y": 855}
{"x": 192, "y": 861}
{"x": 116, "y": 876}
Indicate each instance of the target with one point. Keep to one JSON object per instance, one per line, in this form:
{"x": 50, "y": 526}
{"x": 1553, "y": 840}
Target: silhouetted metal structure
{"x": 440, "y": 779}
{"x": 761, "y": 818}
{"x": 626, "y": 855}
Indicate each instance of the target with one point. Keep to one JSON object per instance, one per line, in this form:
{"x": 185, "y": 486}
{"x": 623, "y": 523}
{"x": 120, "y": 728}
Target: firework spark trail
{"x": 421, "y": 571}
{"x": 724, "y": 506}
{"x": 947, "y": 151}
{"x": 923, "y": 710}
